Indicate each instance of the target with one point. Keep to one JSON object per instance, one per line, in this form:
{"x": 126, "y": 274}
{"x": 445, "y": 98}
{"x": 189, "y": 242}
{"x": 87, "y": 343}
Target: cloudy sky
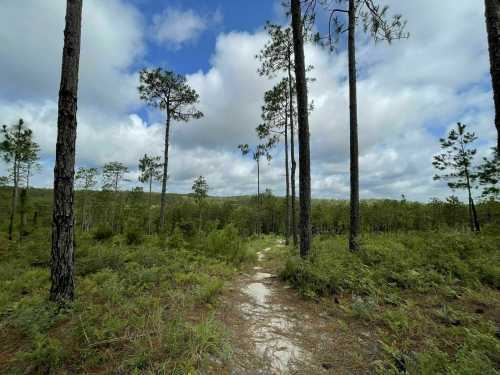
{"x": 410, "y": 92}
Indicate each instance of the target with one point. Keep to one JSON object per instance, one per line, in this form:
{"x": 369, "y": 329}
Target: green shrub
{"x": 227, "y": 244}
{"x": 102, "y": 233}
{"x": 45, "y": 356}
{"x": 134, "y": 236}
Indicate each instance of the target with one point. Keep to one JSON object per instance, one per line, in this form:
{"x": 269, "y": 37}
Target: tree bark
{"x": 15, "y": 190}
{"x": 165, "y": 173}
{"x": 474, "y": 222}
{"x": 62, "y": 269}
{"x": 149, "y": 204}
{"x": 258, "y": 182}
{"x": 292, "y": 151}
{"x": 287, "y": 176}
{"x": 353, "y": 112}
{"x": 493, "y": 29}
{"x": 304, "y": 151}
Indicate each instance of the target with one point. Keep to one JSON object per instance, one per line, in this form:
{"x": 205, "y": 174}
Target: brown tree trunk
{"x": 258, "y": 182}
{"x": 62, "y": 270}
{"x": 493, "y": 29}
{"x": 353, "y": 111}
{"x": 304, "y": 151}
{"x": 292, "y": 151}
{"x": 15, "y": 190}
{"x": 165, "y": 174}
{"x": 22, "y": 221}
{"x": 149, "y": 204}
{"x": 287, "y": 176}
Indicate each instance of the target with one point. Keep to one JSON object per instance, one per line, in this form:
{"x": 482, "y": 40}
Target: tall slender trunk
{"x": 304, "y": 151}
{"x": 292, "y": 150}
{"x": 258, "y": 182}
{"x": 287, "y": 176}
{"x": 15, "y": 190}
{"x": 63, "y": 217}
{"x": 165, "y": 173}
{"x": 353, "y": 111}
{"x": 22, "y": 219}
{"x": 149, "y": 204}
{"x": 474, "y": 222}
{"x": 493, "y": 28}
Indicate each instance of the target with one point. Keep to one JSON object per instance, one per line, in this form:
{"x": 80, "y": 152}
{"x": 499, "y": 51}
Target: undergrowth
{"x": 432, "y": 299}
{"x": 143, "y": 305}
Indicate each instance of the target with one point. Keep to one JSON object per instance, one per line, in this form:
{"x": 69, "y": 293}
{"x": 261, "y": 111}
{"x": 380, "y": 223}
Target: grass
{"x": 142, "y": 306}
{"x": 432, "y": 300}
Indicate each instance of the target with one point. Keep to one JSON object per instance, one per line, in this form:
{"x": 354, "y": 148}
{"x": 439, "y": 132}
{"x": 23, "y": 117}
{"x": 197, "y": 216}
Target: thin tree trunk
{"x": 474, "y": 223}
{"x": 258, "y": 182}
{"x": 292, "y": 151}
{"x": 304, "y": 151}
{"x": 493, "y": 28}
{"x": 287, "y": 176}
{"x": 149, "y": 204}
{"x": 13, "y": 206}
{"x": 62, "y": 270}
{"x": 22, "y": 219}
{"x": 165, "y": 174}
{"x": 353, "y": 104}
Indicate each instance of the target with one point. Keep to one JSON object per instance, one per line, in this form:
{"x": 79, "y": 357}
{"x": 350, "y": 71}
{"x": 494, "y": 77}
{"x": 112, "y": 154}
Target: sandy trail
{"x": 268, "y": 332}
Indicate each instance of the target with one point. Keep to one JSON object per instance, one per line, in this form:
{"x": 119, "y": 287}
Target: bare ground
{"x": 275, "y": 331}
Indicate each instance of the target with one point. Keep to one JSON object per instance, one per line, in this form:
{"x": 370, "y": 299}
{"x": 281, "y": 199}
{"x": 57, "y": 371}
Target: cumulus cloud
{"x": 410, "y": 93}
{"x": 175, "y": 27}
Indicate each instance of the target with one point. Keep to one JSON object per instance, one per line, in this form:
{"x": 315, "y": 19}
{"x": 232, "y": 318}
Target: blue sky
{"x": 410, "y": 93}
{"x": 240, "y": 15}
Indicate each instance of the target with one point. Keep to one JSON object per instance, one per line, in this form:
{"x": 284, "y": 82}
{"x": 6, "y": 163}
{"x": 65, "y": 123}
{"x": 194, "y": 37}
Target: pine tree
{"x": 150, "y": 168}
{"x": 113, "y": 174}
{"x": 169, "y": 92}
{"x": 200, "y": 192}
{"x": 63, "y": 235}
{"x": 19, "y": 150}
{"x": 455, "y": 165}
{"x": 86, "y": 178}
{"x": 492, "y": 14}
{"x": 303, "y": 126}
{"x": 344, "y": 16}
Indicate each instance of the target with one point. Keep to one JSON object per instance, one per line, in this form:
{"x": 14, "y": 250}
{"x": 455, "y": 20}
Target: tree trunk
{"x": 62, "y": 270}
{"x": 353, "y": 110}
{"x": 477, "y": 227}
{"x": 292, "y": 151}
{"x": 304, "y": 152}
{"x": 22, "y": 221}
{"x": 149, "y": 204}
{"x": 258, "y": 182}
{"x": 165, "y": 173}
{"x": 15, "y": 190}
{"x": 493, "y": 29}
{"x": 287, "y": 176}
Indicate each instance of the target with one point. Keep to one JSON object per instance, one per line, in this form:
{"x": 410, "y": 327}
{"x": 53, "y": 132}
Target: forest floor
{"x": 275, "y": 331}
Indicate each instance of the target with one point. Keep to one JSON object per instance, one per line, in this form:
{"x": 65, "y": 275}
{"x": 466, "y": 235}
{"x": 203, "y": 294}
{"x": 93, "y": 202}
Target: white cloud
{"x": 175, "y": 27}
{"x": 409, "y": 94}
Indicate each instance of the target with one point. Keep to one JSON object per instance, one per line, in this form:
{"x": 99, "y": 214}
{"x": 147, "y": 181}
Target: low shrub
{"x": 134, "y": 236}
{"x": 102, "y": 233}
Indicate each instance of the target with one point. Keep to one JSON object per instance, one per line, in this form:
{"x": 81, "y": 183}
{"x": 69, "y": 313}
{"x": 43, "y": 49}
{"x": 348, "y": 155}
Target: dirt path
{"x": 274, "y": 331}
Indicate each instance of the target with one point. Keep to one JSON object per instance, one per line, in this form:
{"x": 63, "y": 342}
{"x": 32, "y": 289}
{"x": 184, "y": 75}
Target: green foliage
{"x": 129, "y": 314}
{"x": 134, "y": 236}
{"x": 102, "y": 233}
{"x": 45, "y": 356}
{"x": 414, "y": 289}
{"x": 170, "y": 92}
{"x": 227, "y": 244}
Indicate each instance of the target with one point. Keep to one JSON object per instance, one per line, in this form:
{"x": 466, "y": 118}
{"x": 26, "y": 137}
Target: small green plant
{"x": 103, "y": 233}
{"x": 134, "y": 236}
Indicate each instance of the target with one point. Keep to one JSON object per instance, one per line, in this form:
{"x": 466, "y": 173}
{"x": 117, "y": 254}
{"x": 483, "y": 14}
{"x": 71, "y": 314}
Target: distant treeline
{"x": 123, "y": 211}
